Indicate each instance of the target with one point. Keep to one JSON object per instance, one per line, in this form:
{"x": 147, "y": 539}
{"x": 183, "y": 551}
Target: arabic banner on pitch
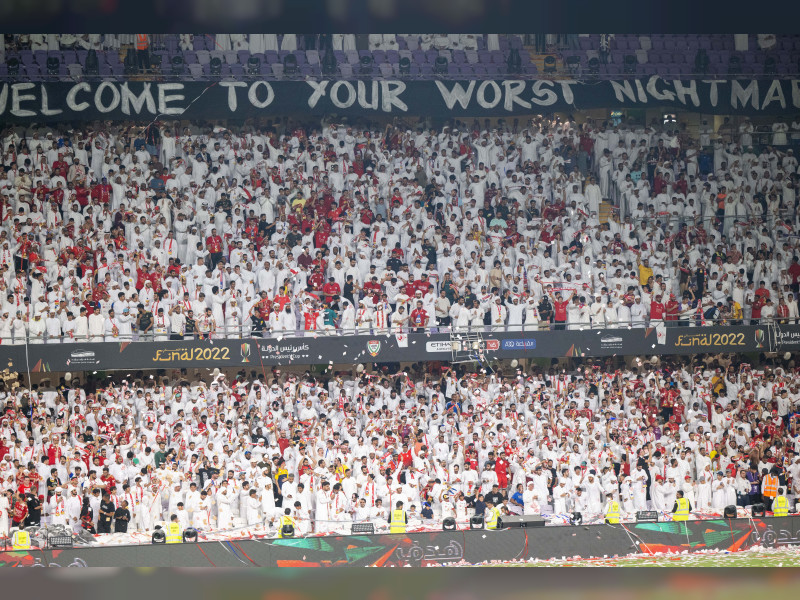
{"x": 388, "y": 348}
{"x": 26, "y": 102}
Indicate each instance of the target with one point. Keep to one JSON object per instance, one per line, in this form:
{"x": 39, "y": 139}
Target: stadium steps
{"x": 538, "y": 60}
{"x": 606, "y": 212}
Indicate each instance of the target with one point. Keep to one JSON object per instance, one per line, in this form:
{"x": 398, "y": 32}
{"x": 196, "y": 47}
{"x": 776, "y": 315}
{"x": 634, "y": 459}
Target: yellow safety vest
{"x": 682, "y": 514}
{"x": 780, "y": 506}
{"x": 286, "y": 520}
{"x": 21, "y": 540}
{"x": 612, "y": 512}
{"x": 174, "y": 533}
{"x": 398, "y": 522}
{"x": 493, "y": 515}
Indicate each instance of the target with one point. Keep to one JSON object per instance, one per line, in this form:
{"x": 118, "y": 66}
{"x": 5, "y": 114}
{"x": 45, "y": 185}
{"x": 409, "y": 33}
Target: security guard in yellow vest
{"x": 286, "y": 519}
{"x": 780, "y": 506}
{"x": 21, "y": 540}
{"x": 174, "y": 533}
{"x": 399, "y": 520}
{"x": 612, "y": 509}
{"x": 491, "y": 515}
{"x": 681, "y": 508}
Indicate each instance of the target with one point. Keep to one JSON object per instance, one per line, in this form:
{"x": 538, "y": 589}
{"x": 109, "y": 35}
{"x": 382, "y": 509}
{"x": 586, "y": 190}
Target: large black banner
{"x": 385, "y": 348}
{"x": 62, "y": 101}
{"x": 434, "y": 548}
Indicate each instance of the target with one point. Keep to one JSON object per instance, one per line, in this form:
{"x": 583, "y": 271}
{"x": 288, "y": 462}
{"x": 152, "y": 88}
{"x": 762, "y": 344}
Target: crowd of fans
{"x": 117, "y": 231}
{"x": 225, "y": 454}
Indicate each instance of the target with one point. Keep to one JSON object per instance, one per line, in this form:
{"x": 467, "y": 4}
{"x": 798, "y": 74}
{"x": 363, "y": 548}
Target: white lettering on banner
{"x": 98, "y": 97}
{"x": 233, "y": 104}
{"x": 626, "y": 89}
{"x": 514, "y": 87}
{"x": 542, "y": 94}
{"x": 72, "y": 102}
{"x": 391, "y": 91}
{"x": 46, "y": 110}
{"x": 640, "y": 91}
{"x": 566, "y": 90}
{"x": 713, "y": 94}
{"x": 787, "y": 338}
{"x": 457, "y": 94}
{"x": 26, "y": 100}
{"x": 653, "y": 90}
{"x": 444, "y": 346}
{"x": 681, "y": 91}
{"x": 129, "y": 99}
{"x": 548, "y": 96}
{"x": 252, "y": 95}
{"x": 623, "y": 91}
{"x": 164, "y": 98}
{"x": 319, "y": 92}
{"x": 362, "y": 95}
{"x": 17, "y": 99}
{"x": 775, "y": 92}
{"x": 742, "y": 95}
{"x": 351, "y": 94}
{"x": 481, "y": 94}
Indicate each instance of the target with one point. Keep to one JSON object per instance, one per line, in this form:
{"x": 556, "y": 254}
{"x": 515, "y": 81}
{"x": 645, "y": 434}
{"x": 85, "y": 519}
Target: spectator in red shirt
{"x": 560, "y": 309}
{"x": 656, "y": 309}
{"x": 331, "y": 289}
{"x": 672, "y": 308}
{"x": 419, "y": 317}
{"x": 214, "y": 247}
{"x": 758, "y": 304}
{"x": 794, "y": 271}
{"x": 501, "y": 470}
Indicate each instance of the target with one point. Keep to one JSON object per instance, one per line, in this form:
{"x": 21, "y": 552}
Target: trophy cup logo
{"x": 759, "y": 338}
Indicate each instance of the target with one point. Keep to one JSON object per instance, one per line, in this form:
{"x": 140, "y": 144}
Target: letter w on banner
{"x": 402, "y": 340}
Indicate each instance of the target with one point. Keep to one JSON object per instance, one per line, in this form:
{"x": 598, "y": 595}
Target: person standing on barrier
{"x": 780, "y": 506}
{"x": 612, "y": 510}
{"x": 491, "y": 515}
{"x": 399, "y": 519}
{"x": 174, "y": 533}
{"x": 681, "y": 508}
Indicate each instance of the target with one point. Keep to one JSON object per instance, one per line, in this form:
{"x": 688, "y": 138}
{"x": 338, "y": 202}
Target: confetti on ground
{"x": 754, "y": 557}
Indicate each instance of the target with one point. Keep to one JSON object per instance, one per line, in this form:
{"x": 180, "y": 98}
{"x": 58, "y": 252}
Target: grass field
{"x": 756, "y": 557}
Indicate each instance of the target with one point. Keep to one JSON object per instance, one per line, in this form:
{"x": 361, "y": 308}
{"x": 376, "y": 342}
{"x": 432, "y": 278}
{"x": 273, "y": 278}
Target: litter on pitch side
{"x": 753, "y": 557}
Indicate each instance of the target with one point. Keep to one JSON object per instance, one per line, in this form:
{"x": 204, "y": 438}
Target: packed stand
{"x": 230, "y": 457}
{"x": 125, "y": 232}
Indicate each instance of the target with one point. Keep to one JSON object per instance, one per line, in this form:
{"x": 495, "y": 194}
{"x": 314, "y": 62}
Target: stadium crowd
{"x": 226, "y": 454}
{"x": 114, "y": 231}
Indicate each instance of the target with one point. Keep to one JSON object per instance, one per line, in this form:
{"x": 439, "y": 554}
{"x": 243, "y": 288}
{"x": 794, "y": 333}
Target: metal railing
{"x": 687, "y": 319}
